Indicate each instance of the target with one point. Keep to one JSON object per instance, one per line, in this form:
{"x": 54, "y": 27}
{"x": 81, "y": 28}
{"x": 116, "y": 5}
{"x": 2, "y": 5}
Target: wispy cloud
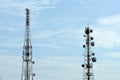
{"x": 11, "y": 29}
{"x": 50, "y": 45}
{"x": 54, "y": 67}
{"x": 67, "y": 32}
{"x": 14, "y": 67}
{"x": 88, "y": 3}
{"x": 59, "y": 61}
{"x": 47, "y": 67}
{"x": 110, "y": 21}
{"x": 107, "y": 32}
{"x": 10, "y": 43}
{"x": 114, "y": 55}
{"x": 57, "y": 66}
{"x": 50, "y": 2}
{"x": 61, "y": 37}
{"x": 32, "y": 4}
{"x": 106, "y": 37}
{"x": 109, "y": 64}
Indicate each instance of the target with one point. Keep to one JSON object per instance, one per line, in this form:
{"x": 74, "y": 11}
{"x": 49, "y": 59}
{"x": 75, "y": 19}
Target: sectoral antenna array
{"x": 88, "y": 55}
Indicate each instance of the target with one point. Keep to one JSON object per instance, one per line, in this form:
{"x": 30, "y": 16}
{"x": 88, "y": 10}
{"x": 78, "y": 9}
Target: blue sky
{"x": 57, "y": 28}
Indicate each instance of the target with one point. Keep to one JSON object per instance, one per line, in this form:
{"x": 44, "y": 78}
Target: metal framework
{"x": 27, "y": 68}
{"x": 88, "y": 56}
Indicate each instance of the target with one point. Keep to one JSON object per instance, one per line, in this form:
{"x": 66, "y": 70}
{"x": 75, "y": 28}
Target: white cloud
{"x": 49, "y": 2}
{"x": 59, "y": 38}
{"x": 112, "y": 21}
{"x": 11, "y": 42}
{"x": 63, "y": 66}
{"x": 57, "y": 66}
{"x": 34, "y": 5}
{"x": 114, "y": 55}
{"x": 54, "y": 67}
{"x": 67, "y": 32}
{"x": 46, "y": 67}
{"x": 106, "y": 37}
{"x": 3, "y": 51}
{"x": 53, "y": 46}
{"x": 11, "y": 29}
{"x": 10, "y": 64}
{"x": 88, "y": 3}
{"x": 45, "y": 34}
{"x": 60, "y": 61}
{"x": 106, "y": 32}
{"x": 106, "y": 65}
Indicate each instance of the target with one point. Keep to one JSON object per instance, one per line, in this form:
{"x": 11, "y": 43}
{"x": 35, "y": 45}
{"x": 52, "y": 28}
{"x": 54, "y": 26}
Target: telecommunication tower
{"x": 88, "y": 56}
{"x": 27, "y": 68}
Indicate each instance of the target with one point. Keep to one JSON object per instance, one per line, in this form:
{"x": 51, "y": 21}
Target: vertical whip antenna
{"x": 88, "y": 56}
{"x": 27, "y": 17}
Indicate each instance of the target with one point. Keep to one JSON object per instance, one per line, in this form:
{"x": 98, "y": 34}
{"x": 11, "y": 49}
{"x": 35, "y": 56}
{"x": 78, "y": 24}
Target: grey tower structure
{"x": 88, "y": 55}
{"x": 27, "y": 68}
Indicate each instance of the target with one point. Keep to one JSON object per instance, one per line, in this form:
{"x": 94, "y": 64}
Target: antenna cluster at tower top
{"x": 88, "y": 55}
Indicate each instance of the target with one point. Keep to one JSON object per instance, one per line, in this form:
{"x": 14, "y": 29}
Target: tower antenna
{"x": 27, "y": 68}
{"x": 88, "y": 56}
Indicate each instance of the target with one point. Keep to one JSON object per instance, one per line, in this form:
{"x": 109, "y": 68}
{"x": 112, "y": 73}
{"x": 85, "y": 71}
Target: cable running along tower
{"x": 88, "y": 56}
{"x": 27, "y": 68}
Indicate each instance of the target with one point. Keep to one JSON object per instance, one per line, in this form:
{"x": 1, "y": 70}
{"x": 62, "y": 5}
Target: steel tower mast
{"x": 88, "y": 56}
{"x": 27, "y": 69}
